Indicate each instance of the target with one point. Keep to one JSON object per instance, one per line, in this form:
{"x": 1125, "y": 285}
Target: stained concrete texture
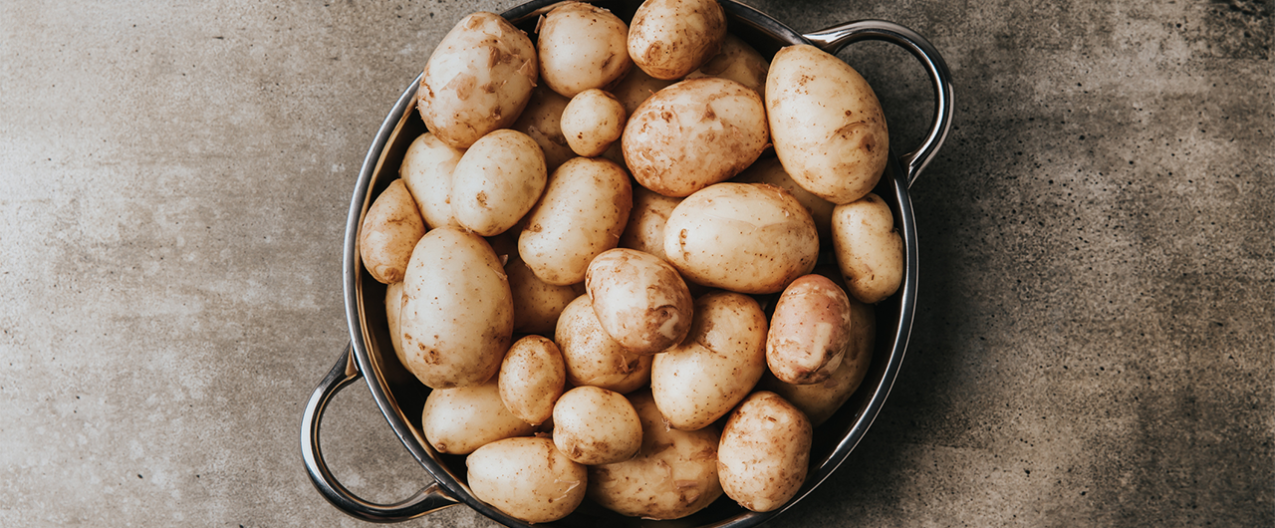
{"x": 1093, "y": 343}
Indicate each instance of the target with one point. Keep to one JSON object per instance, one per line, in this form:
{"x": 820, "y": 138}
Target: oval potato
{"x": 527, "y": 478}
{"x": 671, "y": 38}
{"x": 645, "y": 228}
{"x": 592, "y": 357}
{"x": 581, "y": 214}
{"x": 738, "y": 62}
{"x": 427, "y": 171}
{"x": 636, "y": 88}
{"x": 459, "y": 420}
{"x": 765, "y": 452}
{"x": 771, "y": 171}
{"x": 592, "y": 425}
{"x": 640, "y": 300}
{"x": 537, "y": 304}
{"x": 531, "y": 379}
{"x": 542, "y": 121}
{"x": 869, "y": 250}
{"x": 391, "y": 228}
{"x": 809, "y": 331}
{"x": 582, "y": 47}
{"x": 393, "y": 305}
{"x": 592, "y": 121}
{"x": 497, "y": 181}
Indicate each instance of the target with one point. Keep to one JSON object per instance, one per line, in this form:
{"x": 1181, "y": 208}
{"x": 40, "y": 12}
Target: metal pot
{"x": 401, "y": 397}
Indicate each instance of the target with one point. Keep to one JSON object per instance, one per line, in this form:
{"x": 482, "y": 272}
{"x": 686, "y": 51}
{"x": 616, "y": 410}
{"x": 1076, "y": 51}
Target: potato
{"x": 537, "y": 304}
{"x": 640, "y": 300}
{"x": 393, "y": 305}
{"x": 478, "y": 79}
{"x": 459, "y": 420}
{"x": 582, "y": 47}
{"x": 592, "y": 357}
{"x": 390, "y": 230}
{"x": 764, "y": 453}
{"x": 738, "y": 62}
{"x": 809, "y": 331}
{"x": 771, "y": 171}
{"x": 427, "y": 171}
{"x": 457, "y": 316}
{"x": 527, "y": 478}
{"x": 593, "y": 426}
{"x": 532, "y": 377}
{"x": 581, "y": 214}
{"x": 542, "y": 121}
{"x": 744, "y": 237}
{"x": 592, "y": 121}
{"x": 828, "y": 129}
{"x": 636, "y": 88}
{"x": 497, "y": 181}
{"x": 671, "y": 38}
{"x": 645, "y": 228}
{"x": 693, "y": 134}
{"x": 869, "y": 250}
{"x": 673, "y": 475}
{"x": 721, "y": 360}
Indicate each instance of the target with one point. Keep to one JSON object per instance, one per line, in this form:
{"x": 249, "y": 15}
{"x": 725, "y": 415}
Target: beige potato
{"x": 671, "y": 38}
{"x": 738, "y": 62}
{"x": 744, "y": 237}
{"x": 693, "y": 134}
{"x": 531, "y": 379}
{"x": 582, "y": 47}
{"x": 457, "y": 315}
{"x": 592, "y": 121}
{"x": 636, "y": 88}
{"x": 765, "y": 452}
{"x": 673, "y": 475}
{"x": 826, "y": 123}
{"x": 527, "y": 478}
{"x": 594, "y": 426}
{"x": 459, "y": 420}
{"x": 497, "y": 181}
{"x": 645, "y": 228}
{"x": 640, "y": 300}
{"x": 581, "y": 214}
{"x": 809, "y": 331}
{"x": 592, "y": 357}
{"x": 393, "y": 305}
{"x": 542, "y": 121}
{"x": 770, "y": 170}
{"x": 537, "y": 304}
{"x": 427, "y": 171}
{"x": 391, "y": 228}
{"x": 478, "y": 79}
{"x": 700, "y": 380}
{"x": 869, "y": 250}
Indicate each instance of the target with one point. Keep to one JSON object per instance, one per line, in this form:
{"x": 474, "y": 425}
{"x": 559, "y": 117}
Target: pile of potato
{"x": 623, "y": 223}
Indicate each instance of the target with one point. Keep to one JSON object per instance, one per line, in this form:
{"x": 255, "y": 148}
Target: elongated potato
{"x": 771, "y": 171}
{"x": 527, "y": 478}
{"x": 532, "y": 377}
{"x": 462, "y": 419}
{"x": 809, "y": 331}
{"x": 592, "y": 357}
{"x": 640, "y": 300}
{"x": 393, "y": 305}
{"x": 738, "y": 62}
{"x": 427, "y": 171}
{"x": 671, "y": 38}
{"x": 869, "y": 250}
{"x": 391, "y": 228}
{"x": 581, "y": 214}
{"x": 593, "y": 426}
{"x": 497, "y": 181}
{"x": 765, "y": 452}
{"x": 582, "y": 47}
{"x": 645, "y": 228}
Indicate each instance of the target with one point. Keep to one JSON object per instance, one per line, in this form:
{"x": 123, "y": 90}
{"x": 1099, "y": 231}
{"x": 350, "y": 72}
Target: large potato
{"x": 542, "y": 121}
{"x": 744, "y": 237}
{"x": 457, "y": 317}
{"x": 582, "y": 47}
{"x": 809, "y": 331}
{"x": 721, "y": 360}
{"x": 828, "y": 128}
{"x": 640, "y": 300}
{"x": 580, "y": 215}
{"x": 497, "y": 181}
{"x": 738, "y": 62}
{"x": 645, "y": 229}
{"x": 391, "y": 228}
{"x": 671, "y": 38}
{"x": 593, "y": 426}
{"x": 693, "y": 134}
{"x": 592, "y": 357}
{"x": 537, "y": 304}
{"x": 478, "y": 79}
{"x": 764, "y": 453}
{"x": 532, "y": 377}
{"x": 770, "y": 170}
{"x": 592, "y": 122}
{"x": 459, "y": 420}
{"x": 527, "y": 478}
{"x": 673, "y": 475}
{"x": 869, "y": 250}
{"x": 427, "y": 171}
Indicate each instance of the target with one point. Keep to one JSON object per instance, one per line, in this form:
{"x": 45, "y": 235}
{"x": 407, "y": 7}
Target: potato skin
{"x": 764, "y": 452}
{"x": 809, "y": 331}
{"x": 391, "y": 228}
{"x": 582, "y": 47}
{"x": 635, "y": 88}
{"x": 592, "y": 121}
{"x": 427, "y": 171}
{"x": 869, "y": 250}
{"x": 497, "y": 181}
{"x": 537, "y": 304}
{"x": 393, "y": 305}
{"x": 645, "y": 228}
{"x": 592, "y": 425}
{"x": 462, "y": 419}
{"x": 531, "y": 379}
{"x": 527, "y": 478}
{"x": 738, "y": 62}
{"x": 581, "y": 214}
{"x": 592, "y": 357}
{"x": 640, "y": 300}
{"x": 771, "y": 171}
{"x": 671, "y": 38}
{"x": 542, "y": 121}
{"x": 828, "y": 129}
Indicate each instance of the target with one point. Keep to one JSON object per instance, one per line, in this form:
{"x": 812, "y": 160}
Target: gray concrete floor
{"x": 1093, "y": 345}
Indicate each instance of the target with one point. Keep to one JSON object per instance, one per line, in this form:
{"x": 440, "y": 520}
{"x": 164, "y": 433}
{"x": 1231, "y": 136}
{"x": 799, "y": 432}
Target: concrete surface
{"x": 1093, "y": 345}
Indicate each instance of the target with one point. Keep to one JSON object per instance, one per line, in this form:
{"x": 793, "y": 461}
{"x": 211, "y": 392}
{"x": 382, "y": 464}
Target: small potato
{"x": 458, "y": 421}
{"x": 592, "y": 357}
{"x": 391, "y": 228}
{"x": 497, "y": 181}
{"x": 527, "y": 478}
{"x": 537, "y": 304}
{"x": 671, "y": 38}
{"x": 582, "y": 47}
{"x": 765, "y": 452}
{"x": 427, "y": 171}
{"x": 542, "y": 121}
{"x": 771, "y": 171}
{"x": 636, "y": 88}
{"x": 581, "y": 214}
{"x": 640, "y": 300}
{"x": 596, "y": 426}
{"x": 869, "y": 250}
{"x": 393, "y": 305}
{"x": 738, "y": 62}
{"x": 700, "y": 380}
{"x": 809, "y": 331}
{"x": 645, "y": 229}
{"x": 531, "y": 379}
{"x": 592, "y": 121}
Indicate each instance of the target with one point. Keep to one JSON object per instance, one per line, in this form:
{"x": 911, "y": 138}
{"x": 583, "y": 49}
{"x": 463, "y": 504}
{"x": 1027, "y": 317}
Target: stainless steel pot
{"x": 401, "y": 397}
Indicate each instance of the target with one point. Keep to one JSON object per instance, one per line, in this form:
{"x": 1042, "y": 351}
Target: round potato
{"x": 592, "y": 357}
{"x": 764, "y": 453}
{"x": 580, "y": 215}
{"x": 738, "y": 62}
{"x": 532, "y": 377}
{"x": 427, "y": 171}
{"x": 391, "y": 228}
{"x": 744, "y": 237}
{"x": 592, "y": 121}
{"x": 640, "y": 300}
{"x": 497, "y": 181}
{"x": 869, "y": 250}
{"x": 635, "y": 88}
{"x": 582, "y": 47}
{"x": 594, "y": 426}
{"x": 537, "y": 304}
{"x": 527, "y": 478}
{"x": 542, "y": 121}
{"x": 478, "y": 79}
{"x": 771, "y": 171}
{"x": 700, "y": 380}
{"x": 828, "y": 129}
{"x": 809, "y": 331}
{"x": 693, "y": 134}
{"x": 457, "y": 317}
{"x": 645, "y": 229}
{"x": 459, "y": 420}
{"x": 671, "y": 38}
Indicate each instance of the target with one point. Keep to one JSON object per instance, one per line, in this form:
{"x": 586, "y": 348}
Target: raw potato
{"x": 458, "y": 421}
{"x": 673, "y": 475}
{"x": 478, "y": 79}
{"x": 527, "y": 478}
{"x": 738, "y": 62}
{"x": 393, "y": 305}
{"x": 582, "y": 47}
{"x": 744, "y": 237}
{"x": 636, "y": 88}
{"x": 497, "y": 181}
{"x": 537, "y": 304}
{"x": 693, "y": 134}
{"x": 580, "y": 215}
{"x": 592, "y": 121}
{"x": 869, "y": 250}
{"x": 457, "y": 318}
{"x": 542, "y": 121}
{"x": 671, "y": 38}
{"x": 531, "y": 379}
{"x": 640, "y": 300}
{"x": 765, "y": 452}
{"x": 390, "y": 230}
{"x": 427, "y": 171}
{"x": 596, "y": 426}
{"x": 592, "y": 357}
{"x": 645, "y": 229}
{"x": 771, "y": 171}
{"x": 700, "y": 380}
{"x": 828, "y": 129}
{"x": 809, "y": 331}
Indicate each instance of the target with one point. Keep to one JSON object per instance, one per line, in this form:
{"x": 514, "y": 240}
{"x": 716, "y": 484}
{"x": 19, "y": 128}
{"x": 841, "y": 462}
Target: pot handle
{"x": 431, "y": 498}
{"x": 836, "y": 37}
